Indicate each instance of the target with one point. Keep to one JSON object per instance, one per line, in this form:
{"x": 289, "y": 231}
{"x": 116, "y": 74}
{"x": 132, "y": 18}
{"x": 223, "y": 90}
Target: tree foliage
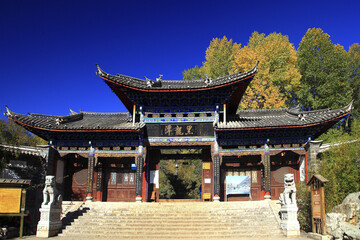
{"x": 341, "y": 166}
{"x": 303, "y": 198}
{"x": 277, "y": 79}
{"x": 354, "y": 54}
{"x": 194, "y": 73}
{"x": 220, "y": 57}
{"x": 318, "y": 75}
{"x": 181, "y": 182}
{"x": 324, "y": 67}
{"x": 13, "y": 134}
{"x": 219, "y": 60}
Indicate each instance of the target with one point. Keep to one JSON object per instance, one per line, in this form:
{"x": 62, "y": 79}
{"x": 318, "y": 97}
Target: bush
{"x": 303, "y": 196}
{"x": 341, "y": 166}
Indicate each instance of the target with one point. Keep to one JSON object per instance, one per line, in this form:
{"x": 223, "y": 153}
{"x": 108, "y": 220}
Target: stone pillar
{"x": 266, "y": 176}
{"x": 89, "y": 188}
{"x": 312, "y": 149}
{"x": 288, "y": 212}
{"x": 216, "y": 177}
{"x": 139, "y": 177}
{"x": 50, "y": 211}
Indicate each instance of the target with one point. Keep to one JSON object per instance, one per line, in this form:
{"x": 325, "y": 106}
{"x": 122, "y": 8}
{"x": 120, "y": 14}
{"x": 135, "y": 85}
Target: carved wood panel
{"x": 120, "y": 181}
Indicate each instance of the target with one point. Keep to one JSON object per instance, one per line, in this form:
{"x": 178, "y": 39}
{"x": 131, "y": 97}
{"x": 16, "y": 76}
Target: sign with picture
{"x": 238, "y": 185}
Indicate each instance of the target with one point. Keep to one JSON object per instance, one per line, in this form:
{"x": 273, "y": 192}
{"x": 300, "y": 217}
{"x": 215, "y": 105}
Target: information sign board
{"x": 316, "y": 204}
{"x": 10, "y": 200}
{"x": 238, "y": 185}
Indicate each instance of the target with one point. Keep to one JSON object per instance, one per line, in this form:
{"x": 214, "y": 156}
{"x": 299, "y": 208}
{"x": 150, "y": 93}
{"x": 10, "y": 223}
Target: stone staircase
{"x": 184, "y": 220}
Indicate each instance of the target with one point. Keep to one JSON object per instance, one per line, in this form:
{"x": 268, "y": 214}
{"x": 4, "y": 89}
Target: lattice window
{"x": 122, "y": 177}
{"x": 81, "y": 176}
{"x": 242, "y": 172}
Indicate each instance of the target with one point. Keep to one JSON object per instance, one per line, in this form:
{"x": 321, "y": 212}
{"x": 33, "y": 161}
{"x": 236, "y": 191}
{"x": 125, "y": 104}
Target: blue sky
{"x": 49, "y": 48}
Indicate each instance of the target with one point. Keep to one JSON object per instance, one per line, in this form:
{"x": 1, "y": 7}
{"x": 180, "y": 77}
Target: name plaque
{"x": 316, "y": 204}
{"x": 178, "y": 130}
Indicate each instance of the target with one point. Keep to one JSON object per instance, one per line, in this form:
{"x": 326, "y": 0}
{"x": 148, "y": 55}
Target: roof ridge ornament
{"x": 301, "y": 117}
{"x": 99, "y": 71}
{"x": 349, "y": 107}
{"x": 159, "y": 79}
{"x": 208, "y": 80}
{"x": 8, "y": 112}
{"x": 72, "y": 112}
{"x": 157, "y": 83}
{"x": 149, "y": 82}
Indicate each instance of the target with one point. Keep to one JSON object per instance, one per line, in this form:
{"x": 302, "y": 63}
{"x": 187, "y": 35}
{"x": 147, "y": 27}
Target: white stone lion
{"x": 50, "y": 194}
{"x": 289, "y": 194}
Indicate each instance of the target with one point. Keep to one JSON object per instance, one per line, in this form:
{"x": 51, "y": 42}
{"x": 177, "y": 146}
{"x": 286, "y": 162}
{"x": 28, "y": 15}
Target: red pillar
{"x": 144, "y": 184}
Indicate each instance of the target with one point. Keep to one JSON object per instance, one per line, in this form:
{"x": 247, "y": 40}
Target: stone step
{"x": 195, "y": 220}
{"x": 255, "y": 215}
{"x": 173, "y": 226}
{"x": 150, "y": 206}
{"x": 172, "y": 221}
{"x": 170, "y": 236}
{"x": 177, "y": 216}
{"x": 174, "y": 233}
{"x": 175, "y": 210}
{"x": 161, "y": 212}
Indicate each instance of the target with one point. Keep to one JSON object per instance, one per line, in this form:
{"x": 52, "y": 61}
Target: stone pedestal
{"x": 49, "y": 224}
{"x": 50, "y": 211}
{"x": 289, "y": 223}
{"x": 89, "y": 199}
{"x": 216, "y": 198}
{"x": 267, "y": 197}
{"x": 138, "y": 199}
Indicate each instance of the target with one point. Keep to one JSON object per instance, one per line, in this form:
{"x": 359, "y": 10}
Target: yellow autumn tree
{"x": 219, "y": 60}
{"x": 220, "y": 57}
{"x": 277, "y": 79}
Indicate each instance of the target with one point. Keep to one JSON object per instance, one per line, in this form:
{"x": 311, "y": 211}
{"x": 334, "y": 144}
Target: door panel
{"x": 120, "y": 182}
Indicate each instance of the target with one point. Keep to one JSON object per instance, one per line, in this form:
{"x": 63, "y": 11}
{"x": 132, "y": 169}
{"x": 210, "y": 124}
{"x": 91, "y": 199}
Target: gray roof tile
{"x": 281, "y": 118}
{"x": 78, "y": 121}
{"x": 148, "y": 84}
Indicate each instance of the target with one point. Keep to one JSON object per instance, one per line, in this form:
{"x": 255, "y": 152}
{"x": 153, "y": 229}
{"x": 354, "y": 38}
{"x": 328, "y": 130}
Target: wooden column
{"x": 50, "y": 160}
{"x": 266, "y": 176}
{"x": 89, "y": 188}
{"x": 99, "y": 181}
{"x": 225, "y": 112}
{"x": 139, "y": 177}
{"x": 134, "y": 113}
{"x": 216, "y": 177}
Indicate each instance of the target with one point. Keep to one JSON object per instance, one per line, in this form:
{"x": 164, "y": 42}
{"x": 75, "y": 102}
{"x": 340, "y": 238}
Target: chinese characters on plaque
{"x": 178, "y": 130}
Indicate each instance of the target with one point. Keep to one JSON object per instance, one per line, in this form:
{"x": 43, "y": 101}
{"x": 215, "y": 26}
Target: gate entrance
{"x": 184, "y": 174}
{"x": 180, "y": 179}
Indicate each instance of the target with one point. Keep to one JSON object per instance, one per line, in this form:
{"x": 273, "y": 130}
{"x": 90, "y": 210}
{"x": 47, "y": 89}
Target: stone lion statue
{"x": 289, "y": 194}
{"x": 50, "y": 194}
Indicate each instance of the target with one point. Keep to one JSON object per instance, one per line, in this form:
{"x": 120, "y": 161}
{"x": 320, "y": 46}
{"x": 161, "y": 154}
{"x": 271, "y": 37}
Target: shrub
{"x": 303, "y": 196}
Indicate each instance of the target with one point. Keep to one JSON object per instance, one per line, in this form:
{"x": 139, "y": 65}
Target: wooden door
{"x": 120, "y": 183}
{"x": 76, "y": 179}
{"x": 277, "y": 179}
